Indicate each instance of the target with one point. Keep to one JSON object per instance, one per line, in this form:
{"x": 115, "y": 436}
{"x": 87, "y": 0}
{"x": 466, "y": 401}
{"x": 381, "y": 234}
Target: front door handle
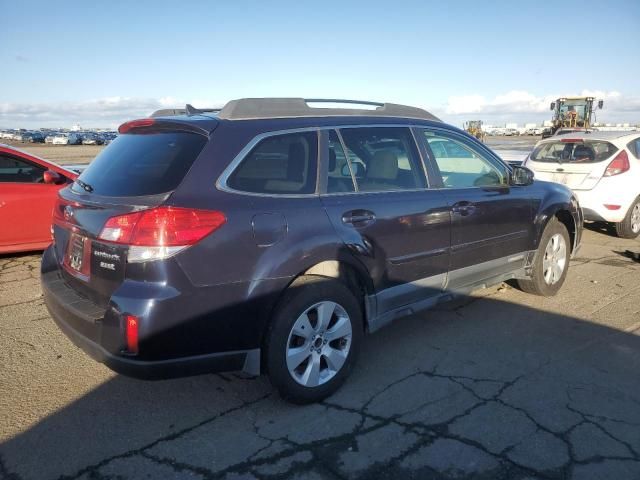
{"x": 358, "y": 217}
{"x": 463, "y": 208}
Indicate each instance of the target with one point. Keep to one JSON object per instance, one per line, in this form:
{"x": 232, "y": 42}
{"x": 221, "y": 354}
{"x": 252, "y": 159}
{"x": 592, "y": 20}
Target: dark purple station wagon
{"x": 270, "y": 235}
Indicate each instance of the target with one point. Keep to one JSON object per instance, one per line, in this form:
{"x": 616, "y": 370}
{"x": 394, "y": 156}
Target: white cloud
{"x": 513, "y": 106}
{"x": 522, "y": 106}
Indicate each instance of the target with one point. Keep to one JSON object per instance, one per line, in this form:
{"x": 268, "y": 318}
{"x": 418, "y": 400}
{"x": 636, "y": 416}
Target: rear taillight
{"x": 160, "y": 232}
{"x": 618, "y": 165}
{"x": 131, "y": 333}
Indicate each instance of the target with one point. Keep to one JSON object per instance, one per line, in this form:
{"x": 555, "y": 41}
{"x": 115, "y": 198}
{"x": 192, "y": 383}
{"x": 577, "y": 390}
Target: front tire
{"x": 313, "y": 340}
{"x": 550, "y": 263}
{"x": 630, "y": 226}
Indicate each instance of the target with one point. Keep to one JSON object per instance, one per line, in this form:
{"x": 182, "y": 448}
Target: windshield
{"x": 574, "y": 151}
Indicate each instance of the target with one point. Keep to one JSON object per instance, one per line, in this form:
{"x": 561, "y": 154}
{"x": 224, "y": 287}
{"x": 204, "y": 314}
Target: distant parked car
{"x": 109, "y": 137}
{"x": 603, "y": 170}
{"x": 36, "y": 137}
{"x": 49, "y": 138}
{"x": 24, "y": 137}
{"x": 67, "y": 139}
{"x": 564, "y": 131}
{"x": 28, "y": 190}
{"x": 92, "y": 139}
{"x": 60, "y": 139}
{"x": 75, "y": 138}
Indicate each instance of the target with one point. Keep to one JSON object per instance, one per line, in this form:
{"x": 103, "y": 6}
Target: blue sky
{"x": 100, "y": 63}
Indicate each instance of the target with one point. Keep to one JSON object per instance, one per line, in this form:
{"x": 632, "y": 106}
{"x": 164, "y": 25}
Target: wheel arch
{"x": 565, "y": 217}
{"x": 353, "y": 275}
{"x": 566, "y": 210}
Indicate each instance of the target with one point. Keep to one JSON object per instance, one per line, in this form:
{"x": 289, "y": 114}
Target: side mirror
{"x": 600, "y": 103}
{"x": 53, "y": 178}
{"x": 552, "y": 106}
{"x": 521, "y": 176}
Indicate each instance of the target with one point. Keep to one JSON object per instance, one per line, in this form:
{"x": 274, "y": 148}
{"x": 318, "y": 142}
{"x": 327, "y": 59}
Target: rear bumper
{"x": 68, "y": 316}
{"x": 593, "y": 201}
{"x": 180, "y": 349}
{"x": 157, "y": 369}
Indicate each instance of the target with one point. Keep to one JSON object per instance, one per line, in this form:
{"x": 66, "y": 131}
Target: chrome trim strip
{"x": 418, "y": 256}
{"x": 490, "y": 240}
{"x": 221, "y": 183}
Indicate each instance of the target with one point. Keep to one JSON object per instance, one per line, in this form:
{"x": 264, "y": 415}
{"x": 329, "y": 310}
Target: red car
{"x": 28, "y": 190}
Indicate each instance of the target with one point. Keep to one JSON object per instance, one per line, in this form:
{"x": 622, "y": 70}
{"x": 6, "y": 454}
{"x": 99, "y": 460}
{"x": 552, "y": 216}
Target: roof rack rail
{"x": 187, "y": 110}
{"x": 256, "y": 108}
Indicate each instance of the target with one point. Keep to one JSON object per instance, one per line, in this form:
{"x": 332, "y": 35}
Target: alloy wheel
{"x": 555, "y": 259}
{"x": 635, "y": 218}
{"x": 318, "y": 344}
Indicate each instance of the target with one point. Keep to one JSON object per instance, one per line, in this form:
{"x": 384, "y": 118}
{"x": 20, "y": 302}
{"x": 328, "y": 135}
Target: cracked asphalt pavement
{"x": 497, "y": 385}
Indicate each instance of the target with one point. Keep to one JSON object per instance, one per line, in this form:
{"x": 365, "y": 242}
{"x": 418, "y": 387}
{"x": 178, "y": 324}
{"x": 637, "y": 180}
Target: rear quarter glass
{"x": 142, "y": 164}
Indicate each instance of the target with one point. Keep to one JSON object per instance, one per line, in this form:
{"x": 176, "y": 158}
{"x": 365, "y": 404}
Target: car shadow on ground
{"x": 477, "y": 388}
{"x": 601, "y": 227}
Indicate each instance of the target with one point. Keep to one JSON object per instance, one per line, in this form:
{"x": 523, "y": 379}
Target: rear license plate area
{"x": 77, "y": 257}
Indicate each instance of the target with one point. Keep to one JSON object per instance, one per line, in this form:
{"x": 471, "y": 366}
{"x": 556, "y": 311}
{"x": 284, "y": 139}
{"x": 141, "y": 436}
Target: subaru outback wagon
{"x": 268, "y": 236}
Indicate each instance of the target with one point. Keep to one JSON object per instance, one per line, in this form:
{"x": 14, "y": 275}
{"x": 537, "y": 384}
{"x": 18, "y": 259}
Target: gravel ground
{"x": 60, "y": 154}
{"x": 497, "y": 385}
{"x": 78, "y": 154}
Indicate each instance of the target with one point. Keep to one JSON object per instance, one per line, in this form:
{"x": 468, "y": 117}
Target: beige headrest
{"x": 383, "y": 166}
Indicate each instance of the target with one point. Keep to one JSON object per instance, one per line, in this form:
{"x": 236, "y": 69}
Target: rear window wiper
{"x": 84, "y": 185}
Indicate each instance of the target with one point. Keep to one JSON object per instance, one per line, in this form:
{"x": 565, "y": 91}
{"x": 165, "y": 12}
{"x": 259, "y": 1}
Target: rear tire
{"x": 550, "y": 263}
{"x": 313, "y": 339}
{"x": 630, "y": 226}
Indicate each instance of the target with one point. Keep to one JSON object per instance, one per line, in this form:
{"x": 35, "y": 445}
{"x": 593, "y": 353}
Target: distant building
{"x": 76, "y": 128}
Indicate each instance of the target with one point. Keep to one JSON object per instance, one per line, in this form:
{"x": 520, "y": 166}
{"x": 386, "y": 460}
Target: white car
{"x": 62, "y": 139}
{"x": 602, "y": 168}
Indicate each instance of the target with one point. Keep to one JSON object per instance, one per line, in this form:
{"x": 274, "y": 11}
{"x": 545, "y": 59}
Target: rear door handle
{"x": 358, "y": 217}
{"x": 463, "y": 208}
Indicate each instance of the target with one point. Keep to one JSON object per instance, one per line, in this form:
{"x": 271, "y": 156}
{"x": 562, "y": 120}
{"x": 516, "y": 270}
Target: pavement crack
{"x": 173, "y": 436}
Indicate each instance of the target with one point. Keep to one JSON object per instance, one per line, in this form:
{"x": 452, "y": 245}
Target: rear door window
{"x": 383, "y": 159}
{"x": 573, "y": 151}
{"x": 279, "y": 164}
{"x": 142, "y": 164}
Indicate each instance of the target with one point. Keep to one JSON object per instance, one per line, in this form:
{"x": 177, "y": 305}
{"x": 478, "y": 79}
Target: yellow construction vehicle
{"x": 474, "y": 127}
{"x": 572, "y": 112}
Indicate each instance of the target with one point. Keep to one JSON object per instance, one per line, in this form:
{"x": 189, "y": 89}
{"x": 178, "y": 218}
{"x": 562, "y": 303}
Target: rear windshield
{"x": 142, "y": 164}
{"x": 587, "y": 151}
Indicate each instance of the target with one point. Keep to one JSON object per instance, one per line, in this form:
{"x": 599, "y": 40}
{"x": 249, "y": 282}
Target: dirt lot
{"x": 512, "y": 147}
{"x": 498, "y": 385}
{"x": 61, "y": 154}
